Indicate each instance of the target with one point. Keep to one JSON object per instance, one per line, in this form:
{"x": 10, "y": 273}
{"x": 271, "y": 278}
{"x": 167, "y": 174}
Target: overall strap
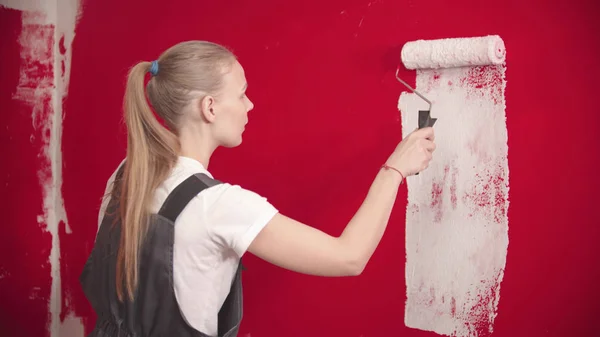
{"x": 183, "y": 194}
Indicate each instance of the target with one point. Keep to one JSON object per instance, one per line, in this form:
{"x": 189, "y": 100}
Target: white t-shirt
{"x": 211, "y": 234}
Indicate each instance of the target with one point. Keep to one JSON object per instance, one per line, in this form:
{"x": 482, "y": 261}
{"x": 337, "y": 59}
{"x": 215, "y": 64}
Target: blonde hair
{"x": 185, "y": 71}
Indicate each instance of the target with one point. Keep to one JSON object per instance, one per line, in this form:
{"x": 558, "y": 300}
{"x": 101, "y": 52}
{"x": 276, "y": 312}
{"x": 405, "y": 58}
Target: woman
{"x": 198, "y": 90}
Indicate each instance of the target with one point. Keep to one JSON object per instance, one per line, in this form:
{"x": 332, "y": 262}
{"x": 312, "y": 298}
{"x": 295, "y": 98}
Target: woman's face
{"x": 231, "y": 108}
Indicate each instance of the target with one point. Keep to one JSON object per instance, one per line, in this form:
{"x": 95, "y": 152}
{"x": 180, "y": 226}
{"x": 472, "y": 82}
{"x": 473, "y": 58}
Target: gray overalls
{"x": 154, "y": 312}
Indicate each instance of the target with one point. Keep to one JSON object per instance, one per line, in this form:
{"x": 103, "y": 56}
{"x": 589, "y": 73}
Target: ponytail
{"x": 151, "y": 153}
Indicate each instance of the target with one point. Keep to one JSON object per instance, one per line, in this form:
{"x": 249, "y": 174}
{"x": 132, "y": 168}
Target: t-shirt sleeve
{"x": 236, "y": 216}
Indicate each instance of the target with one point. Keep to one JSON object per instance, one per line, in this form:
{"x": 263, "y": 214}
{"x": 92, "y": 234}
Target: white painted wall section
{"x": 456, "y": 218}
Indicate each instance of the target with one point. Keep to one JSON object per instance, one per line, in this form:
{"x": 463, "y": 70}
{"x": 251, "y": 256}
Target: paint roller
{"x": 449, "y": 53}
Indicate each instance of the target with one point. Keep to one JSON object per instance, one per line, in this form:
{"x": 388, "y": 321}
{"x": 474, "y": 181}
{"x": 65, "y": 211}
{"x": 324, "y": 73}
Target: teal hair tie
{"x": 154, "y": 68}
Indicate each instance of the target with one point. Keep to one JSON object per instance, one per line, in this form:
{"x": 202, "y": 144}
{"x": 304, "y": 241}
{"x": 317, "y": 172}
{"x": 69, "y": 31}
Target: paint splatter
{"x": 456, "y": 219}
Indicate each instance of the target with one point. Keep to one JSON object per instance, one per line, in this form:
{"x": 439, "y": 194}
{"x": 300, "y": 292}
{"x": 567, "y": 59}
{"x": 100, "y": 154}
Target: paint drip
{"x": 456, "y": 217}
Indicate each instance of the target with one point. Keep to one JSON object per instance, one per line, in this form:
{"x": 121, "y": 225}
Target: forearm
{"x": 296, "y": 246}
{"x": 364, "y": 231}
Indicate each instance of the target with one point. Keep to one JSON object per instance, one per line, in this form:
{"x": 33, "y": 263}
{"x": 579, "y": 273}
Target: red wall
{"x": 321, "y": 75}
{"x": 25, "y": 279}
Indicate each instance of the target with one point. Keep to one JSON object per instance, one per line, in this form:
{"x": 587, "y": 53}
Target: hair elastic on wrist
{"x": 387, "y": 167}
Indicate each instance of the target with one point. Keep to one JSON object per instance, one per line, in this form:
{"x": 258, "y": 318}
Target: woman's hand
{"x": 414, "y": 152}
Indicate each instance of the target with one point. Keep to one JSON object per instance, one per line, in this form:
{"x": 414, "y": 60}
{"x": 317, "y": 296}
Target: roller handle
{"x": 425, "y": 120}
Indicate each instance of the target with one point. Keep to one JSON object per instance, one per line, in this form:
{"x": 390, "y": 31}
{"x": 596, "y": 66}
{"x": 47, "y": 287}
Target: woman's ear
{"x": 207, "y": 107}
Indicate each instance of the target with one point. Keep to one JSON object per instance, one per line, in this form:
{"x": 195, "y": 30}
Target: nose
{"x": 250, "y": 105}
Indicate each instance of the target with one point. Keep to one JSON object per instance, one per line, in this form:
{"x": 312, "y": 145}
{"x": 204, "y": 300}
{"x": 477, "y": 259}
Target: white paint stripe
{"x": 48, "y": 7}
{"x": 456, "y": 218}
{"x": 60, "y": 17}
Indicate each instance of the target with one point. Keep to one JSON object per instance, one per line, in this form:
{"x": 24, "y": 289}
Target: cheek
{"x": 243, "y": 110}
{"x": 235, "y": 113}
{"x": 236, "y": 117}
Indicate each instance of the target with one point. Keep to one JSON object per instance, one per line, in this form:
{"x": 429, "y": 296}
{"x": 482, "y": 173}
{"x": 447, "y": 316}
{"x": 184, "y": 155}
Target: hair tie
{"x": 154, "y": 68}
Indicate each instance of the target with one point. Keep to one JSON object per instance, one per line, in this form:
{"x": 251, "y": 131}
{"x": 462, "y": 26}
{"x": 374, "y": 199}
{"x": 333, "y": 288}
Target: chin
{"x": 233, "y": 144}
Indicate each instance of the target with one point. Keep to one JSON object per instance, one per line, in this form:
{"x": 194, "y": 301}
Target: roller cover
{"x": 451, "y": 53}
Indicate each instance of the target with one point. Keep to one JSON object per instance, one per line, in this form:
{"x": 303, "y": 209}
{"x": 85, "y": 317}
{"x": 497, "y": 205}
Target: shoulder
{"x": 226, "y": 202}
{"x": 234, "y": 215}
{"x": 221, "y": 203}
{"x": 225, "y": 193}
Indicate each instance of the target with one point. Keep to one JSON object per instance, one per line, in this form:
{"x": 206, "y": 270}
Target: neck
{"x": 196, "y": 144}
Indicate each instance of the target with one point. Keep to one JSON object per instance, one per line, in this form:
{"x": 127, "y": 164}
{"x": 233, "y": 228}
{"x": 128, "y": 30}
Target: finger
{"x": 426, "y": 132}
{"x": 430, "y": 146}
{"x": 426, "y": 145}
{"x": 432, "y": 136}
{"x": 427, "y": 156}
